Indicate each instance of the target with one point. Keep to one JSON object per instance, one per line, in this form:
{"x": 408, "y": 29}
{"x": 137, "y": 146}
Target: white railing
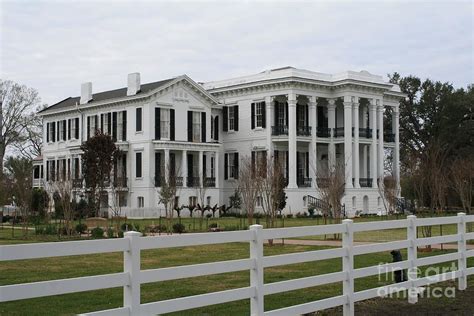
{"x": 133, "y": 276}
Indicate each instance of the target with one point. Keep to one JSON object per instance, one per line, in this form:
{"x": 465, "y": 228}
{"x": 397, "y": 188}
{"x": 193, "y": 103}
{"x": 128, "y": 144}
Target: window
{"x": 281, "y": 114}
{"x": 36, "y": 172}
{"x": 301, "y": 115}
{"x": 51, "y": 132}
{"x": 212, "y": 127}
{"x": 92, "y": 125}
{"x": 196, "y": 126}
{"x": 120, "y": 125}
{"x": 231, "y": 118}
{"x": 259, "y": 201}
{"x": 141, "y": 202}
{"x": 138, "y": 127}
{"x": 138, "y": 170}
{"x": 60, "y": 130}
{"x": 176, "y": 201}
{"x": 213, "y": 166}
{"x": 208, "y": 201}
{"x": 73, "y": 128}
{"x": 165, "y": 123}
{"x": 122, "y": 197}
{"x": 259, "y": 108}
{"x": 193, "y": 200}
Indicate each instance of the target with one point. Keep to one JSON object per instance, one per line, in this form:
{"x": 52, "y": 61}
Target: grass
{"x": 13, "y": 272}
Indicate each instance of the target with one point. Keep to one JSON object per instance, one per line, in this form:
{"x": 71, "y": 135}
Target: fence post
{"x": 462, "y": 261}
{"x": 348, "y": 267}
{"x": 412, "y": 257}
{"x": 256, "y": 274}
{"x": 131, "y": 265}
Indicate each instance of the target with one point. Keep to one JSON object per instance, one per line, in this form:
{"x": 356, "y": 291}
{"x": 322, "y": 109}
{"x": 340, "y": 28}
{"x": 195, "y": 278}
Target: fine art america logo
{"x": 403, "y": 289}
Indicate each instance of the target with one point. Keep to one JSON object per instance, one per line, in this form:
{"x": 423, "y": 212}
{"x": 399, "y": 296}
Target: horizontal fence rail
{"x": 132, "y": 276}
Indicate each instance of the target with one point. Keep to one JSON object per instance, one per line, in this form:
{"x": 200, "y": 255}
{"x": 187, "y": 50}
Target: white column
{"x": 373, "y": 146}
{"x": 201, "y": 171}
{"x": 292, "y": 140}
{"x": 312, "y": 145}
{"x": 348, "y": 140}
{"x": 216, "y": 169}
{"x": 381, "y": 153}
{"x": 167, "y": 166}
{"x": 269, "y": 122}
{"x": 396, "y": 154}
{"x": 355, "y": 151}
{"x": 332, "y": 126}
{"x": 184, "y": 167}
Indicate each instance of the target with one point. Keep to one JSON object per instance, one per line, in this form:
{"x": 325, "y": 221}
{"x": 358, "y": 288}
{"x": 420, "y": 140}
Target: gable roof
{"x": 106, "y": 95}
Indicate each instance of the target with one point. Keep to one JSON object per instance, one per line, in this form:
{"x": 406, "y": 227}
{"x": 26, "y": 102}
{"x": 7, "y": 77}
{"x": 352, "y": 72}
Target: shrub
{"x": 120, "y": 234}
{"x": 301, "y": 215}
{"x": 213, "y": 225}
{"x": 81, "y": 228}
{"x": 208, "y": 215}
{"x": 110, "y": 232}
{"x": 311, "y": 212}
{"x": 179, "y": 228}
{"x": 231, "y": 228}
{"x": 50, "y": 230}
{"x": 97, "y": 232}
{"x": 289, "y": 215}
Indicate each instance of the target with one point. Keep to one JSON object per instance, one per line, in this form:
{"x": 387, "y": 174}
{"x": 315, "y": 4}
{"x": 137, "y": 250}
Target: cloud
{"x": 53, "y": 46}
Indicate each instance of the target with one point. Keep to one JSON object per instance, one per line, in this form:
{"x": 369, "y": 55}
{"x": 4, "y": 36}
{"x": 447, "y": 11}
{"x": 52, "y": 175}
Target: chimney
{"x": 133, "y": 83}
{"x": 86, "y": 92}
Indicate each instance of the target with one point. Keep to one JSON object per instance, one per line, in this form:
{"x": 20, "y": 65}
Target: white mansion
{"x": 309, "y": 120}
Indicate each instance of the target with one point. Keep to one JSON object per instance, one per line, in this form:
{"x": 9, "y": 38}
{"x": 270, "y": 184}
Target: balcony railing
{"x": 339, "y": 132}
{"x": 322, "y": 182}
{"x": 389, "y": 137}
{"x": 279, "y": 130}
{"x": 304, "y": 182}
{"x": 77, "y": 183}
{"x": 303, "y": 131}
{"x": 193, "y": 181}
{"x": 323, "y": 132}
{"x": 365, "y": 132}
{"x": 365, "y": 182}
{"x": 210, "y": 182}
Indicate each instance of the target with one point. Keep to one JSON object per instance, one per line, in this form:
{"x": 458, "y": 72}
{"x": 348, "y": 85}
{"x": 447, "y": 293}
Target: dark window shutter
{"x": 236, "y": 165}
{"x": 307, "y": 115}
{"x": 236, "y": 118}
{"x": 286, "y": 113}
{"x": 47, "y": 170}
{"x": 307, "y": 165}
{"x": 139, "y": 119}
{"x": 53, "y": 168}
{"x": 190, "y": 166}
{"x": 172, "y": 166}
{"x": 64, "y": 129}
{"x": 190, "y": 126}
{"x": 109, "y": 124}
{"x": 216, "y": 128}
{"x": 157, "y": 168}
{"x": 138, "y": 171}
{"x": 204, "y": 173}
{"x": 275, "y": 156}
{"x": 264, "y": 164}
{"x": 58, "y": 137}
{"x": 264, "y": 115}
{"x": 124, "y": 125}
{"x": 102, "y": 123}
{"x": 69, "y": 129}
{"x": 88, "y": 127}
{"x": 252, "y": 116}
{"x": 47, "y": 132}
{"x": 277, "y": 112}
{"x": 157, "y": 123}
{"x": 77, "y": 128}
{"x": 225, "y": 118}
{"x": 96, "y": 122}
{"x": 203, "y": 127}
{"x": 172, "y": 125}
{"x": 114, "y": 126}
{"x": 53, "y": 125}
{"x": 226, "y": 166}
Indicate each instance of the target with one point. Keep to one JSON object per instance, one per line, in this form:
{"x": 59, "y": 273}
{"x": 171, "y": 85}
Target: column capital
{"x": 380, "y": 108}
{"x": 356, "y": 106}
{"x": 292, "y": 98}
{"x": 347, "y": 105}
{"x": 396, "y": 110}
{"x": 331, "y": 102}
{"x": 269, "y": 99}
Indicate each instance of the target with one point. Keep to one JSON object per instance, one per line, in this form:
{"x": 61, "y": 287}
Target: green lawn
{"x": 66, "y": 267}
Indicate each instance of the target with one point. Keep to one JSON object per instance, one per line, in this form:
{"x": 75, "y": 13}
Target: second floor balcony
{"x": 324, "y": 132}
{"x": 279, "y": 130}
{"x": 303, "y": 131}
{"x": 365, "y": 132}
{"x": 389, "y": 137}
{"x": 304, "y": 182}
{"x": 210, "y": 182}
{"x": 339, "y": 132}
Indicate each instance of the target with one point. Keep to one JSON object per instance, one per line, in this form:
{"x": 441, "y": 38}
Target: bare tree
{"x": 63, "y": 190}
{"x": 167, "y": 192}
{"x": 272, "y": 187}
{"x": 389, "y": 193}
{"x": 201, "y": 190}
{"x": 462, "y": 180}
{"x": 249, "y": 186}
{"x": 17, "y": 103}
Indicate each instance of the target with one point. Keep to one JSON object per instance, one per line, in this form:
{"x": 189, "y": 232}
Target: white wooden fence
{"x": 132, "y": 277}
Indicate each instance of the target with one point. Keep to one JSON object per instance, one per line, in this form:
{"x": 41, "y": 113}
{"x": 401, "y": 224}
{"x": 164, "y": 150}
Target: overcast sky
{"x": 54, "y": 46}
